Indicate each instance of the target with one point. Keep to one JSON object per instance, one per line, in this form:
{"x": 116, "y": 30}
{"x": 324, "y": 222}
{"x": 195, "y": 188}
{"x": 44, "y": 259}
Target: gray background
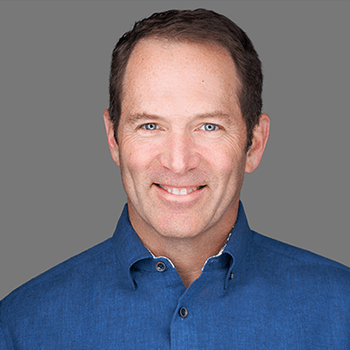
{"x": 60, "y": 190}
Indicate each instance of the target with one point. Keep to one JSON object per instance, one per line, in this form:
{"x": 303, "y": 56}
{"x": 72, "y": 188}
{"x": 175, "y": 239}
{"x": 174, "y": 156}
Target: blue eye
{"x": 209, "y": 127}
{"x": 150, "y": 126}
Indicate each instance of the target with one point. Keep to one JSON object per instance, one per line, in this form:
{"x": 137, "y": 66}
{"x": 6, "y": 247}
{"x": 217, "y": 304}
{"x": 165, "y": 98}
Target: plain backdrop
{"x": 60, "y": 190}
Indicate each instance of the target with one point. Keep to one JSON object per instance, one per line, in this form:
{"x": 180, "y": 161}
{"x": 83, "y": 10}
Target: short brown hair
{"x": 199, "y": 26}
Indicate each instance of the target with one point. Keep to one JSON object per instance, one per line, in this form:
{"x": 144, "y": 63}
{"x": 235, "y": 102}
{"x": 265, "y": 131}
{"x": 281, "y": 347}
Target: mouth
{"x": 178, "y": 191}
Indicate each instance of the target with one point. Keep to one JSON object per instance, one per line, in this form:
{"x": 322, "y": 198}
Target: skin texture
{"x": 181, "y": 128}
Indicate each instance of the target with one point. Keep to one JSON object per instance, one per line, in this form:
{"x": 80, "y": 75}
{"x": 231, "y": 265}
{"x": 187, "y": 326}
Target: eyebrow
{"x": 134, "y": 118}
{"x": 214, "y": 115}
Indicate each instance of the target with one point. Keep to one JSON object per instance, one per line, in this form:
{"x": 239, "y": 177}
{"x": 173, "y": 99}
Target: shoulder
{"x": 294, "y": 264}
{"x": 70, "y": 277}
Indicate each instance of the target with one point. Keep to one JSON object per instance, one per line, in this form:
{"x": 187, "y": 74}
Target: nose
{"x": 180, "y": 153}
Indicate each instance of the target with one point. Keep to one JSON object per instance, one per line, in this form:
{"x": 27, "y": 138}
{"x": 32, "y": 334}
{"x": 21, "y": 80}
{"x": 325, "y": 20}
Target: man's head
{"x": 197, "y": 26}
{"x": 182, "y": 138}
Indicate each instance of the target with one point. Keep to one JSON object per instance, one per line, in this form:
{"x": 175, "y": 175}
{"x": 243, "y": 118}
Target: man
{"x": 183, "y": 270}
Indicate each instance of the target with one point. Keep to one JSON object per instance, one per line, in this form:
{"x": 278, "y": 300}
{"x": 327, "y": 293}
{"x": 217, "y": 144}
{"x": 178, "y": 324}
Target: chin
{"x": 180, "y": 228}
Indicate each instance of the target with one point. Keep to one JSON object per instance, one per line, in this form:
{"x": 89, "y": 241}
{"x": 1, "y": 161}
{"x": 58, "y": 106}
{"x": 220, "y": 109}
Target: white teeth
{"x": 178, "y": 192}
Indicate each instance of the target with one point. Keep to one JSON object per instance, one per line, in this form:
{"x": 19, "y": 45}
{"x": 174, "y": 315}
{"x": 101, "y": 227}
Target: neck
{"x": 189, "y": 257}
{"x": 187, "y": 254}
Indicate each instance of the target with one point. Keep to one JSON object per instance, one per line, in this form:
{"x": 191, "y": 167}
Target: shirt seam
{"x": 50, "y": 275}
{"x": 329, "y": 263}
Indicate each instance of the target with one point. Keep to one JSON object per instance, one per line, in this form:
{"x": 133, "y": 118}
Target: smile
{"x": 179, "y": 191}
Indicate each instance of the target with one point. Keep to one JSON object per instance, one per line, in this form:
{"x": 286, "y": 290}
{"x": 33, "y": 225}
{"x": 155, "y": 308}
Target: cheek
{"x": 226, "y": 157}
{"x": 137, "y": 157}
{"x": 229, "y": 169}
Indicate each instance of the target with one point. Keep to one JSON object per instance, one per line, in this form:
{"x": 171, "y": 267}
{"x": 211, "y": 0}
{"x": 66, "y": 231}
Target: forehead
{"x": 176, "y": 74}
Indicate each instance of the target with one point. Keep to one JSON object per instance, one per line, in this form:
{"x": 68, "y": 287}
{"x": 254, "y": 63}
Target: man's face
{"x": 181, "y": 139}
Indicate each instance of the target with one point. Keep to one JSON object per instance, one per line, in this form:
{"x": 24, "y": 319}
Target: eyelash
{"x": 216, "y": 127}
{"x": 146, "y": 125}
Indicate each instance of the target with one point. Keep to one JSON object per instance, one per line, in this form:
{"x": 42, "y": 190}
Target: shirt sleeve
{"x": 3, "y": 343}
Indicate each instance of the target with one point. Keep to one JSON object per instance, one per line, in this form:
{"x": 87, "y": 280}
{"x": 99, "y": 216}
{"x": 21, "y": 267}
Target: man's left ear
{"x": 256, "y": 150}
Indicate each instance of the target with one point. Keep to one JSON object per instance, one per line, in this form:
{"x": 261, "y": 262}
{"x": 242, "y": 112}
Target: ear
{"x": 112, "y": 143}
{"x": 256, "y": 150}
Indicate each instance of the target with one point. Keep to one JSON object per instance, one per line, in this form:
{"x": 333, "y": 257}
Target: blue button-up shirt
{"x": 258, "y": 294}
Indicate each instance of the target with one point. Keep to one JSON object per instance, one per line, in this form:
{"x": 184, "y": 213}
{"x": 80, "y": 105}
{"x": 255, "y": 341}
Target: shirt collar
{"x": 239, "y": 238}
{"x": 128, "y": 244}
{"x": 131, "y": 249}
{"x": 237, "y": 245}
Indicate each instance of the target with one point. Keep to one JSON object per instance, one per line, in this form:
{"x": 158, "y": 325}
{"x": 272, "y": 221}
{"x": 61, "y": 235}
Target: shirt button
{"x": 183, "y": 312}
{"x": 160, "y": 266}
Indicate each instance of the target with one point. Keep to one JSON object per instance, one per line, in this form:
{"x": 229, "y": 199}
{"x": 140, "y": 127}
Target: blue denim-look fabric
{"x": 113, "y": 297}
